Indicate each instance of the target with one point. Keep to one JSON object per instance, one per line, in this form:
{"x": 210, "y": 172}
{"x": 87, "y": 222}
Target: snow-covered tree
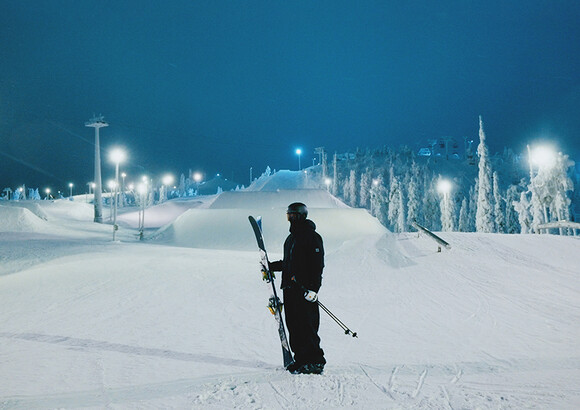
{"x": 484, "y": 214}
{"x": 522, "y": 207}
{"x": 379, "y": 199}
{"x": 447, "y": 205}
{"x": 431, "y": 209}
{"x": 413, "y": 198}
{"x": 401, "y": 223}
{"x": 537, "y": 210}
{"x": 335, "y": 175}
{"x": 365, "y": 188}
{"x": 352, "y": 191}
{"x": 472, "y": 205}
{"x": 33, "y": 194}
{"x": 464, "y": 216}
{"x": 396, "y": 213}
{"x": 181, "y": 188}
{"x": 512, "y": 223}
{"x": 324, "y": 165}
{"x": 499, "y": 212}
{"x": 550, "y": 189}
{"x": 346, "y": 190}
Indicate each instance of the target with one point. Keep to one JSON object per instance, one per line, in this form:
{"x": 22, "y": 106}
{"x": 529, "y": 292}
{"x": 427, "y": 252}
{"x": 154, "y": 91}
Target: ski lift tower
{"x": 97, "y": 122}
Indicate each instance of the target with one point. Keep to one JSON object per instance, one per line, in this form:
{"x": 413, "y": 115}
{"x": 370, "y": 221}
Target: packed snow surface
{"x": 170, "y": 323}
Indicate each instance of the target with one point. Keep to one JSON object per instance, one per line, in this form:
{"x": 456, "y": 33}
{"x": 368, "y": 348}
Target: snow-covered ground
{"x": 180, "y": 320}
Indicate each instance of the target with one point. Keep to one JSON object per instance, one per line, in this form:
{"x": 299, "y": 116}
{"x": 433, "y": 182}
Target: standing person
{"x": 301, "y": 280}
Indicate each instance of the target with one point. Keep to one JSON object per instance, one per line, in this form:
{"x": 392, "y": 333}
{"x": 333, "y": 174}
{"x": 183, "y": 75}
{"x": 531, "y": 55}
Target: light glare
{"x": 543, "y": 157}
{"x": 117, "y": 155}
{"x": 444, "y": 186}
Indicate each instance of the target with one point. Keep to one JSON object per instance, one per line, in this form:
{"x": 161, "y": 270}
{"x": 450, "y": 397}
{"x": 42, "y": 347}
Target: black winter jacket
{"x": 303, "y": 257}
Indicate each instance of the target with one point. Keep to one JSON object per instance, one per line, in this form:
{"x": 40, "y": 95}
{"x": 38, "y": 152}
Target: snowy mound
{"x": 284, "y": 180}
{"x": 20, "y": 219}
{"x": 160, "y": 215}
{"x": 65, "y": 209}
{"x": 32, "y": 206}
{"x": 223, "y": 223}
{"x": 313, "y": 198}
{"x": 230, "y": 229}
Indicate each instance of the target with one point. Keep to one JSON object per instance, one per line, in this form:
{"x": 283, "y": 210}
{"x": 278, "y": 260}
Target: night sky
{"x": 222, "y": 86}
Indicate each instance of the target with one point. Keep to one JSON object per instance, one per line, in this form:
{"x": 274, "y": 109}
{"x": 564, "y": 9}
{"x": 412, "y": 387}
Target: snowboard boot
{"x": 309, "y": 368}
{"x": 293, "y": 367}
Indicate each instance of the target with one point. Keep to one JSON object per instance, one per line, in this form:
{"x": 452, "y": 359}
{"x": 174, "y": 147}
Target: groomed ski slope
{"x": 88, "y": 323}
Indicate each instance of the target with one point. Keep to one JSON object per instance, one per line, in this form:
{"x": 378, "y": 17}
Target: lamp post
{"x": 299, "y": 153}
{"x": 123, "y": 175}
{"x": 142, "y": 190}
{"x": 70, "y": 185}
{"x": 117, "y": 156}
{"x": 97, "y": 122}
{"x": 47, "y": 190}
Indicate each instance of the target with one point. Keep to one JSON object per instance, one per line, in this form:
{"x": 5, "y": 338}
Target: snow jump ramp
{"x": 225, "y": 224}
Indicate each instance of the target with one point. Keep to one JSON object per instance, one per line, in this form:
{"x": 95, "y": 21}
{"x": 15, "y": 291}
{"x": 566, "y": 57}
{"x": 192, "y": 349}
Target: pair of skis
{"x": 275, "y": 304}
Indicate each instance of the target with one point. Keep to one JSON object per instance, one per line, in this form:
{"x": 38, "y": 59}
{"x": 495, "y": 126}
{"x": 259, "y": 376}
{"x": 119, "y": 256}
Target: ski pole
{"x": 337, "y": 320}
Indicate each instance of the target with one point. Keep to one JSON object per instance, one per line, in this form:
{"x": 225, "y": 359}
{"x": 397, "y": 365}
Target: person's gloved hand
{"x": 265, "y": 273}
{"x": 311, "y": 296}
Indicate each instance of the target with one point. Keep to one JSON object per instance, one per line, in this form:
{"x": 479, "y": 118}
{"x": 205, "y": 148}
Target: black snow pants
{"x": 303, "y": 320}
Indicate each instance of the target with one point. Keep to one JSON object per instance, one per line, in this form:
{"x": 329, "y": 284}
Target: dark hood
{"x": 301, "y": 226}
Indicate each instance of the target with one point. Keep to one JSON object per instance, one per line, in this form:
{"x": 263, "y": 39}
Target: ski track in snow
{"x": 284, "y": 391}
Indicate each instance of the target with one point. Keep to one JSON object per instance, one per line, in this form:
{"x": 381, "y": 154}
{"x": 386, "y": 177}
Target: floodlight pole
{"x": 97, "y": 123}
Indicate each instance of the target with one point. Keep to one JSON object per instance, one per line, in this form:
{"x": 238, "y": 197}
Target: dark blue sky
{"x": 222, "y": 86}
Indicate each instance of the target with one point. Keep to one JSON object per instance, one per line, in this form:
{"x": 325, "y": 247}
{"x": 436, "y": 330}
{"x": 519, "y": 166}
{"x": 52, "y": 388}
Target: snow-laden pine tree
{"x": 499, "y": 208}
{"x": 537, "y": 210}
{"x": 431, "y": 208}
{"x": 379, "y": 200}
{"x": 396, "y": 213}
{"x": 511, "y": 216}
{"x": 346, "y": 190}
{"x": 181, "y": 188}
{"x": 324, "y": 166}
{"x": 550, "y": 190}
{"x": 561, "y": 205}
{"x": 365, "y": 188}
{"x": 464, "y": 216}
{"x": 335, "y": 174}
{"x": 522, "y": 207}
{"x": 447, "y": 205}
{"x": 352, "y": 191}
{"x": 401, "y": 224}
{"x": 413, "y": 195}
{"x": 472, "y": 205}
{"x": 484, "y": 215}
{"x": 162, "y": 194}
